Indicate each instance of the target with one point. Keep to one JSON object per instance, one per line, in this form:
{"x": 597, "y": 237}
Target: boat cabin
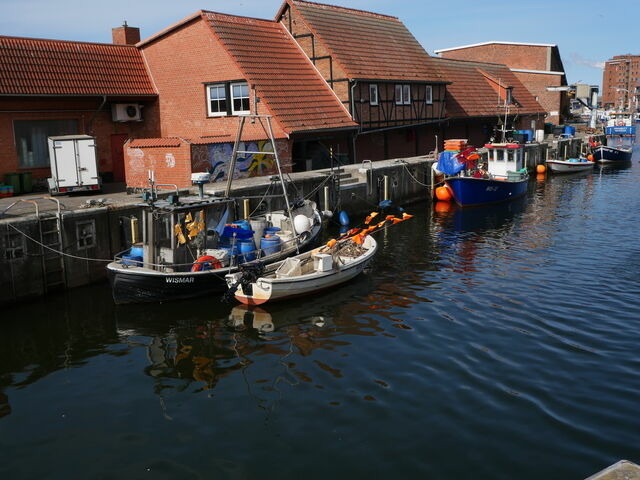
{"x": 504, "y": 159}
{"x": 176, "y": 233}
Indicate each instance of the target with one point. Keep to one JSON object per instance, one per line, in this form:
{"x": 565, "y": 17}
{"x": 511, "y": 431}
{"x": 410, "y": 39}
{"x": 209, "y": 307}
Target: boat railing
{"x": 230, "y": 261}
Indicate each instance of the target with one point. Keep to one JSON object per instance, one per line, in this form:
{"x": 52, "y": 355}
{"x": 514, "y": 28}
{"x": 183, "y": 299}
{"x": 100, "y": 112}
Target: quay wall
{"x": 92, "y": 236}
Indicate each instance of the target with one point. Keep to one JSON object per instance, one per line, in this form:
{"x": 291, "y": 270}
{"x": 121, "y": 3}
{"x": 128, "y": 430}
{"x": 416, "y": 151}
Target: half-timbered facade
{"x": 384, "y": 77}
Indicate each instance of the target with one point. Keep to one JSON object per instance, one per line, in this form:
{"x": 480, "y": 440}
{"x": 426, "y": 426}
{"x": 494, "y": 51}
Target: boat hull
{"x": 154, "y": 287}
{"x": 563, "y": 166}
{"x": 605, "y": 154}
{"x": 269, "y": 289}
{"x": 469, "y": 192}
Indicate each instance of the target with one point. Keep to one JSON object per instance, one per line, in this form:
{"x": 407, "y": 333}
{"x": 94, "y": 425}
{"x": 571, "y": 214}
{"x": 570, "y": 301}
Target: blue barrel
{"x": 247, "y": 250}
{"x": 133, "y": 260}
{"x": 271, "y": 244}
{"x": 570, "y": 130}
{"x": 271, "y": 231}
{"x": 136, "y": 250}
{"x": 243, "y": 224}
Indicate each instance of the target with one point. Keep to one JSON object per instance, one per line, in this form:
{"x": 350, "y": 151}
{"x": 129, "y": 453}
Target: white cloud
{"x": 578, "y": 59}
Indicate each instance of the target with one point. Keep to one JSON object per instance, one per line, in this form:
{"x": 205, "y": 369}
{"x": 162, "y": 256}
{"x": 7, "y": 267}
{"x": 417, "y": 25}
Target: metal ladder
{"x": 50, "y": 235}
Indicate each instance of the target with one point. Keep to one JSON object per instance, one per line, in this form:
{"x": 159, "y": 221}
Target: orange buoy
{"x": 442, "y": 207}
{"x": 331, "y": 242}
{"x": 443, "y": 194}
{"x": 541, "y": 168}
{"x": 590, "y": 157}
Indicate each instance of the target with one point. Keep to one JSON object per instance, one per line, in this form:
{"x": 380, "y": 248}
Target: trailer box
{"x": 74, "y": 164}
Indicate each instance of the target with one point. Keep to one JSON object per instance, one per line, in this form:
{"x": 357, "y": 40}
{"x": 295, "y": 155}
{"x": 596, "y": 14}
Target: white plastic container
{"x": 322, "y": 262}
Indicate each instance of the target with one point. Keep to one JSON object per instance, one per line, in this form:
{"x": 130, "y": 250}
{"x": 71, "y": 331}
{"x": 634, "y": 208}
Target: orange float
{"x": 442, "y": 207}
{"x": 443, "y": 194}
{"x": 541, "y": 168}
{"x": 590, "y": 157}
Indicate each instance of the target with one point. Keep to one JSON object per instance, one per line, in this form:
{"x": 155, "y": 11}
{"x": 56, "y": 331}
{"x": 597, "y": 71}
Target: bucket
{"x": 258, "y": 225}
{"x": 247, "y": 250}
{"x": 270, "y": 244}
{"x": 271, "y": 230}
{"x": 284, "y": 236}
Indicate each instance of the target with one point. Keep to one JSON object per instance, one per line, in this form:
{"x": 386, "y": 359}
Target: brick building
{"x": 621, "y": 83}
{"x": 536, "y": 65}
{"x": 53, "y": 87}
{"x": 208, "y": 69}
{"x": 378, "y": 70}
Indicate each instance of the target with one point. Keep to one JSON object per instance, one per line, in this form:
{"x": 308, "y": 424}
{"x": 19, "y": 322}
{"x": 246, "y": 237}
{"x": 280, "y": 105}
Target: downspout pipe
{"x": 353, "y": 117}
{"x": 95, "y": 114}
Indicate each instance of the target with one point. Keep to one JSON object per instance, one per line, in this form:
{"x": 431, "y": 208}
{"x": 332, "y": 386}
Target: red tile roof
{"x": 368, "y": 45}
{"x": 477, "y": 88}
{"x": 32, "y": 66}
{"x": 284, "y": 78}
{"x": 155, "y": 142}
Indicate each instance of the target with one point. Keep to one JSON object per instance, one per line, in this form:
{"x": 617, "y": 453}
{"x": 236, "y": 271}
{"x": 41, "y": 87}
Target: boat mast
{"x": 232, "y": 164}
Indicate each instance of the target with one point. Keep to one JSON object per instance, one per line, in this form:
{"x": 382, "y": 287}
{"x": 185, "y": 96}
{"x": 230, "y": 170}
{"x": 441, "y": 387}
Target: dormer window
{"x": 229, "y": 98}
{"x": 509, "y": 95}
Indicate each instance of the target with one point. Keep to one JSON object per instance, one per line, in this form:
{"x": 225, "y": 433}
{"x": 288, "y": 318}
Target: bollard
{"x": 386, "y": 188}
{"x": 135, "y": 234}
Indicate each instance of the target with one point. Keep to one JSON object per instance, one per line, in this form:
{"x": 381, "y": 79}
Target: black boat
{"x": 607, "y": 154}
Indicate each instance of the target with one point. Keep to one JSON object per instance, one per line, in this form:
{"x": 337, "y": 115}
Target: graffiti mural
{"x": 247, "y": 165}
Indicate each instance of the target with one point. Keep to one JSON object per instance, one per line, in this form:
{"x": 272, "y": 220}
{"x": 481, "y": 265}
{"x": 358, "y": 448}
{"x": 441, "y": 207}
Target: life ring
{"x": 620, "y": 123}
{"x": 205, "y": 262}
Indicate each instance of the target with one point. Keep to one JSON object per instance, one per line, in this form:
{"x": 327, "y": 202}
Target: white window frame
{"x": 406, "y": 94}
{"x": 428, "y": 95}
{"x": 398, "y": 94}
{"x": 373, "y": 94}
{"x": 403, "y": 94}
{"x": 233, "y": 98}
{"x": 211, "y": 113}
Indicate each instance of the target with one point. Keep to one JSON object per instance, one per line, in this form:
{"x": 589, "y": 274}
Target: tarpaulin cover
{"x": 449, "y": 164}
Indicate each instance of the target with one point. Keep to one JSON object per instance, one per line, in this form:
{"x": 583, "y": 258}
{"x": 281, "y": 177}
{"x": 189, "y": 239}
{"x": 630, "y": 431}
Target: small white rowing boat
{"x": 569, "y": 166}
{"x": 310, "y": 272}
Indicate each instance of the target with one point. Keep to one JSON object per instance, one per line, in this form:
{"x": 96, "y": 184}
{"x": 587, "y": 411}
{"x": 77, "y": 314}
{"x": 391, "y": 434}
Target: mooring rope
{"x": 59, "y": 252}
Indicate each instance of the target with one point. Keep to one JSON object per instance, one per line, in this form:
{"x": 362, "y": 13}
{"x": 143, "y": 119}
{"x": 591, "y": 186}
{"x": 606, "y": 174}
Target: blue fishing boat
{"x": 501, "y": 179}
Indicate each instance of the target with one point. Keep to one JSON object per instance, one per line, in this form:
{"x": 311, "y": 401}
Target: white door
{"x": 65, "y": 171}
{"x": 87, "y": 164}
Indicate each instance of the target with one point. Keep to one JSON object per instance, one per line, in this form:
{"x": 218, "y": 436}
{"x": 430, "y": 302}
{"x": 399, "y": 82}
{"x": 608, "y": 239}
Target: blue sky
{"x": 588, "y": 32}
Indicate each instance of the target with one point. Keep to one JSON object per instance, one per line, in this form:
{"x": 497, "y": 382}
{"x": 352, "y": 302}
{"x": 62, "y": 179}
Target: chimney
{"x": 125, "y": 35}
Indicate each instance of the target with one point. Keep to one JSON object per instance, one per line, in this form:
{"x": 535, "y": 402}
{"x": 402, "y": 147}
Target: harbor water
{"x": 489, "y": 343}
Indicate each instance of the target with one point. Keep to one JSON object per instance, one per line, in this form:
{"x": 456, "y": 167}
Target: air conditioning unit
{"x": 126, "y": 112}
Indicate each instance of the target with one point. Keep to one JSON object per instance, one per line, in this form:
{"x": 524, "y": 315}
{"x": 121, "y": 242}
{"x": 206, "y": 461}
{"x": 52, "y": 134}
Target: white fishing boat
{"x": 310, "y": 272}
{"x": 571, "y": 165}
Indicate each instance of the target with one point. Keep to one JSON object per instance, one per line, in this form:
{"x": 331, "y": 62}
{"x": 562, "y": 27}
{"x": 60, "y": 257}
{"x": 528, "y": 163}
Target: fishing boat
{"x": 304, "y": 274}
{"x": 571, "y": 165}
{"x": 610, "y": 154}
{"x": 320, "y": 269}
{"x": 190, "y": 243}
{"x": 502, "y": 178}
